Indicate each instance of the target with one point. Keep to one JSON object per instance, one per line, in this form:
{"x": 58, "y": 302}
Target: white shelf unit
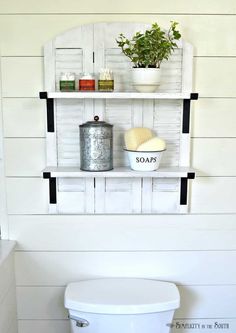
{"x": 89, "y": 48}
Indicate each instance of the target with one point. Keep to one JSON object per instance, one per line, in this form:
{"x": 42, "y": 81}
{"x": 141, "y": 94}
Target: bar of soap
{"x": 134, "y": 137}
{"x": 154, "y": 144}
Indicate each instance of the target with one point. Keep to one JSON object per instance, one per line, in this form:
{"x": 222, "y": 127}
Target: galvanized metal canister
{"x": 96, "y": 146}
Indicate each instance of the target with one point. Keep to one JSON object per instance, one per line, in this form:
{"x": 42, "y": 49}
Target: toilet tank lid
{"x": 121, "y": 296}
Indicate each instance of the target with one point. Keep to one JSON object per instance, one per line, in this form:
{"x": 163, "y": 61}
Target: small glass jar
{"x": 67, "y": 82}
{"x": 106, "y": 80}
{"x": 87, "y": 83}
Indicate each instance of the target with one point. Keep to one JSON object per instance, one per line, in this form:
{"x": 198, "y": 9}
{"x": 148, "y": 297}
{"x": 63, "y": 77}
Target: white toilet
{"x": 121, "y": 305}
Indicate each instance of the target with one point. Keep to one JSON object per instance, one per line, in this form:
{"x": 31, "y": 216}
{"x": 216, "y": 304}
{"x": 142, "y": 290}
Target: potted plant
{"x": 146, "y": 51}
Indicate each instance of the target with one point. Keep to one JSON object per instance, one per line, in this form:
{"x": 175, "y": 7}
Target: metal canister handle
{"x": 80, "y": 322}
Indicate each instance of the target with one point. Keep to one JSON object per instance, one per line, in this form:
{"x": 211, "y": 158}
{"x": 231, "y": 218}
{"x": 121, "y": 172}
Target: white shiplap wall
{"x": 196, "y": 251}
{"x": 8, "y": 316}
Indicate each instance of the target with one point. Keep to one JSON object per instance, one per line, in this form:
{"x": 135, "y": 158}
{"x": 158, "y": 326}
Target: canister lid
{"x": 96, "y": 123}
{"x": 122, "y": 296}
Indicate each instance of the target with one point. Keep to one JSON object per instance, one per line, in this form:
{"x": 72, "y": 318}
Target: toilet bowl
{"x": 121, "y": 305}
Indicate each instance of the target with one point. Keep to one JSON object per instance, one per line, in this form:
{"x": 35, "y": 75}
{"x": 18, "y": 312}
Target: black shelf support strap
{"x": 184, "y": 188}
{"x": 52, "y": 187}
{"x": 53, "y": 190}
{"x": 50, "y": 110}
{"x": 50, "y": 115}
{"x": 186, "y": 112}
{"x": 183, "y": 191}
{"x": 186, "y": 116}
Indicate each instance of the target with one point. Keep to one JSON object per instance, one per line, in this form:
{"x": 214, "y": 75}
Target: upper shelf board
{"x": 116, "y": 95}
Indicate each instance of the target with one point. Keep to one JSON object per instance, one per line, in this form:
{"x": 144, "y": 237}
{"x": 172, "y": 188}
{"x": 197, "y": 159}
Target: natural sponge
{"x": 154, "y": 144}
{"x": 134, "y": 137}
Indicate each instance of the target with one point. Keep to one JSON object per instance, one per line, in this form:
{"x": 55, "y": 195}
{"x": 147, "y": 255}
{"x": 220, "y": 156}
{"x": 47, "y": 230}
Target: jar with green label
{"x": 67, "y": 82}
{"x": 105, "y": 81}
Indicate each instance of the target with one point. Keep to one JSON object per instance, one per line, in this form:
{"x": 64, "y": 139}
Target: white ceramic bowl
{"x": 144, "y": 160}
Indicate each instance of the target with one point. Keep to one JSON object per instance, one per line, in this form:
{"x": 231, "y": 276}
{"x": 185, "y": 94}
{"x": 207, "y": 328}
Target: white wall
{"x": 196, "y": 251}
{"x": 8, "y": 318}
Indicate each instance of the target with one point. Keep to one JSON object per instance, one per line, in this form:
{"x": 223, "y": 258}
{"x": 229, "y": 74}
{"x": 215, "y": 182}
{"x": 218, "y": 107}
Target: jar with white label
{"x": 106, "y": 80}
{"x": 87, "y": 82}
{"x": 67, "y": 81}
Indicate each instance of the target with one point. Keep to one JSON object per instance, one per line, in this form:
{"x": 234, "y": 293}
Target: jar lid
{"x": 87, "y": 76}
{"x": 69, "y": 76}
{"x": 96, "y": 123}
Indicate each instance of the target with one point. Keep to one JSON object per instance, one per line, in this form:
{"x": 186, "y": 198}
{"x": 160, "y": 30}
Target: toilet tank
{"x": 122, "y": 305}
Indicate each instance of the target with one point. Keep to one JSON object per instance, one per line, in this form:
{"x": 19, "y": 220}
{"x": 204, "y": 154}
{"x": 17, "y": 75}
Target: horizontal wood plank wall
{"x": 111, "y": 233}
{"x": 105, "y": 6}
{"x": 21, "y": 41}
{"x": 8, "y": 316}
{"x": 38, "y": 268}
{"x": 196, "y": 251}
{"x": 196, "y": 302}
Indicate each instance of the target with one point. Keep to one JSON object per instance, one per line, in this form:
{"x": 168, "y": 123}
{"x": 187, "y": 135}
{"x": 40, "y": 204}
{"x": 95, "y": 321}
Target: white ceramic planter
{"x": 144, "y": 160}
{"x": 146, "y": 79}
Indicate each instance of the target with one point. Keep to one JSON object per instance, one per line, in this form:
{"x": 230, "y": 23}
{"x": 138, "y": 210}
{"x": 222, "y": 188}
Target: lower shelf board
{"x": 119, "y": 172}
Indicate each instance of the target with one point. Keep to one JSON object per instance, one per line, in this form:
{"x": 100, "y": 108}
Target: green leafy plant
{"x": 149, "y": 49}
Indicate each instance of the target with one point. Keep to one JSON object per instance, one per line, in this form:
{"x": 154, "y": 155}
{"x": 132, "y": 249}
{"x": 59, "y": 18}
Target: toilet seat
{"x": 122, "y": 296}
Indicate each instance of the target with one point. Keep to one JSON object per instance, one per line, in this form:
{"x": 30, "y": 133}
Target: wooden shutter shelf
{"x": 119, "y": 172}
{"x": 88, "y": 48}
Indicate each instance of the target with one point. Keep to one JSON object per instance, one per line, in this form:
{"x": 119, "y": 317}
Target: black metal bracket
{"x": 50, "y": 110}
{"x": 184, "y": 188}
{"x": 194, "y": 96}
{"x": 186, "y": 112}
{"x": 52, "y": 187}
{"x": 43, "y": 95}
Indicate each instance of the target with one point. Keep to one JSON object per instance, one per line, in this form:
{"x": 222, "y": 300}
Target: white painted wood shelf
{"x": 116, "y": 95}
{"x": 119, "y": 172}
